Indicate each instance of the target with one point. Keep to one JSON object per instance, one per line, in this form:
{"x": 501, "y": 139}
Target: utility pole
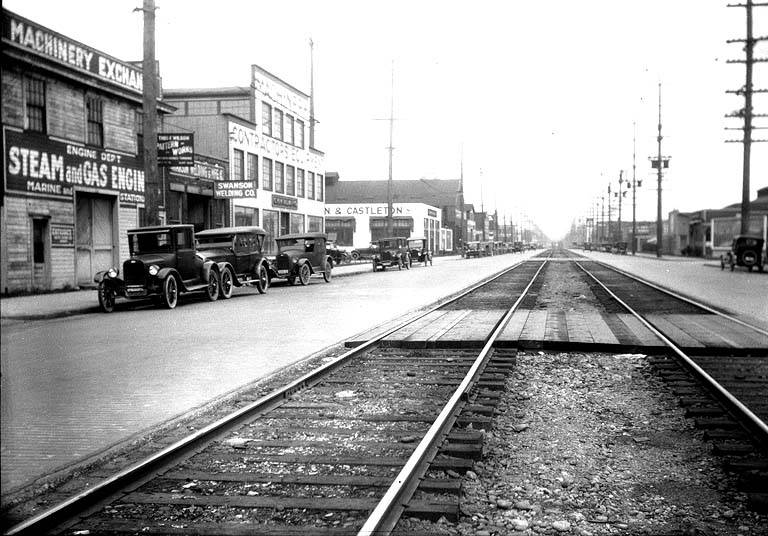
{"x": 620, "y": 195}
{"x": 602, "y": 218}
{"x": 390, "y": 225}
{"x": 634, "y": 184}
{"x": 151, "y": 193}
{"x": 747, "y": 112}
{"x": 461, "y": 202}
{"x": 610, "y": 228}
{"x": 312, "y": 94}
{"x": 660, "y": 163}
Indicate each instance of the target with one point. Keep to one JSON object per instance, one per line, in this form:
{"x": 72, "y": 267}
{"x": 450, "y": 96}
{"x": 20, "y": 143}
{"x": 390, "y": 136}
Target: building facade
{"x": 73, "y": 177}
{"x": 275, "y": 179}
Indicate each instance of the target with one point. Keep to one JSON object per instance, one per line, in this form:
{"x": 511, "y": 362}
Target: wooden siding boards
{"x": 65, "y": 108}
{"x": 119, "y": 126}
{"x": 13, "y": 99}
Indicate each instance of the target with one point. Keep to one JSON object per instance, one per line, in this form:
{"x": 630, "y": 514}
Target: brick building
{"x": 73, "y": 178}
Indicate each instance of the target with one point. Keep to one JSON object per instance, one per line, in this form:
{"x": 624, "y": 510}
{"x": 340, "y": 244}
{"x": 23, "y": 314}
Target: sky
{"x": 538, "y": 99}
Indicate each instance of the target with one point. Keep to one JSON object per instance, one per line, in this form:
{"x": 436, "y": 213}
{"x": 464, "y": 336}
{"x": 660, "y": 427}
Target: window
{"x": 315, "y": 224}
{"x": 277, "y": 124}
{"x": 237, "y": 165}
{"x": 290, "y": 180}
{"x": 297, "y": 223}
{"x": 319, "y": 184}
{"x": 266, "y": 173}
{"x": 246, "y": 216}
{"x": 299, "y": 133}
{"x": 253, "y": 167}
{"x": 310, "y": 185}
{"x": 266, "y": 119}
{"x": 182, "y": 240}
{"x": 289, "y": 129}
{"x": 300, "y": 182}
{"x": 95, "y": 111}
{"x": 38, "y": 239}
{"x": 35, "y": 105}
{"x": 279, "y": 177}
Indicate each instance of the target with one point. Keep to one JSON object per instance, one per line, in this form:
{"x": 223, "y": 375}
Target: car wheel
{"x": 227, "y": 284}
{"x": 262, "y": 279}
{"x": 327, "y": 272}
{"x": 355, "y": 255}
{"x": 304, "y": 273}
{"x": 170, "y": 292}
{"x": 106, "y": 298}
{"x": 212, "y": 290}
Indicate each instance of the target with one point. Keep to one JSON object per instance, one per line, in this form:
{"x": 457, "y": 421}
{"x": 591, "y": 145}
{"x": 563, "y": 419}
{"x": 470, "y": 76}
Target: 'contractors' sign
{"x": 39, "y": 165}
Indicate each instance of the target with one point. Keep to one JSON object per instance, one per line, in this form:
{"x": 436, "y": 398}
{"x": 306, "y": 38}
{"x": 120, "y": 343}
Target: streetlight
{"x": 620, "y": 194}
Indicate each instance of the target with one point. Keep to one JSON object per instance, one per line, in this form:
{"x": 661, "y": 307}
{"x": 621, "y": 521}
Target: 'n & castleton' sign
{"x": 36, "y": 164}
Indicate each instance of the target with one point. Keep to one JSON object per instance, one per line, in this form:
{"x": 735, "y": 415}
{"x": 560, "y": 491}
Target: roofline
{"x": 277, "y": 79}
{"x": 207, "y": 91}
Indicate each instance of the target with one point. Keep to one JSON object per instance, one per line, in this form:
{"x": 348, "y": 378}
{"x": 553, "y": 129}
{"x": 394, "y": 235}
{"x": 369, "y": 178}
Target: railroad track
{"x": 380, "y": 434}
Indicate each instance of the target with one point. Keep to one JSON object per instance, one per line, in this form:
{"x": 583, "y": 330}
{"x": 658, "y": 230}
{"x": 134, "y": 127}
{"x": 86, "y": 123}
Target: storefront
{"x": 73, "y": 180}
{"x": 359, "y": 224}
{"x": 192, "y": 196}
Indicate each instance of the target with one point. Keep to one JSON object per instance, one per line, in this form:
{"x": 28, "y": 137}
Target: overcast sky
{"x": 542, "y": 96}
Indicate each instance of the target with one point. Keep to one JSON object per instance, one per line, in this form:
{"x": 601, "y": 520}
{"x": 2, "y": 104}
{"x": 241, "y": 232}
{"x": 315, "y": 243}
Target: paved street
{"x": 74, "y": 386}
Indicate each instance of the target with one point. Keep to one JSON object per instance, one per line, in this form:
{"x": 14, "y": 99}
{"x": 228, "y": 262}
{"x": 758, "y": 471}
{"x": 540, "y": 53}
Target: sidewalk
{"x": 77, "y": 302}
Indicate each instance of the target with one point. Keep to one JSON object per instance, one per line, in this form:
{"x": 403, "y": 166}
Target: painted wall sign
{"x": 51, "y": 45}
{"x": 369, "y": 210}
{"x": 62, "y": 235}
{"x": 37, "y": 164}
{"x": 281, "y": 201}
{"x": 234, "y": 189}
{"x": 247, "y": 139}
{"x": 275, "y": 91}
{"x": 431, "y": 213}
{"x": 175, "y": 149}
{"x": 202, "y": 168}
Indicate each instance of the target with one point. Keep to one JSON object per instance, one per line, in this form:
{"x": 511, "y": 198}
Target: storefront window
{"x": 279, "y": 177}
{"x": 297, "y": 223}
{"x": 266, "y": 174}
{"x": 246, "y": 216}
{"x": 342, "y": 228}
{"x": 315, "y": 224}
{"x": 270, "y": 222}
{"x": 290, "y": 180}
{"x": 300, "y": 182}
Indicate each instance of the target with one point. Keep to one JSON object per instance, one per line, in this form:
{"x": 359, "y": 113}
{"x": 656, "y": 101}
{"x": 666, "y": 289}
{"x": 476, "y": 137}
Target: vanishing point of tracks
{"x": 385, "y": 431}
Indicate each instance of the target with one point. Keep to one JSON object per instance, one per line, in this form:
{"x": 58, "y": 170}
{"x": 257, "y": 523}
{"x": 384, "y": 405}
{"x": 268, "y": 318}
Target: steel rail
{"x": 753, "y": 421}
{"x": 690, "y": 301}
{"x": 387, "y": 512}
{"x": 69, "y": 508}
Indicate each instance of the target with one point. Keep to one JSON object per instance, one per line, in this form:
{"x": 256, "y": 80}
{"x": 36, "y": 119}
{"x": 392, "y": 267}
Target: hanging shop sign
{"x": 36, "y": 164}
{"x": 62, "y": 235}
{"x": 40, "y": 41}
{"x": 281, "y": 201}
{"x": 234, "y": 189}
{"x": 175, "y": 149}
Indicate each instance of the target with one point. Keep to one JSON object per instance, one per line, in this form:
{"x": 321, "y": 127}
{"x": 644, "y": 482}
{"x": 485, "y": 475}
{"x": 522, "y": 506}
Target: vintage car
{"x": 357, "y": 254}
{"x": 239, "y": 253}
{"x": 392, "y": 251}
{"x": 745, "y": 251}
{"x": 163, "y": 263}
{"x": 419, "y": 251}
{"x": 473, "y": 249}
{"x": 301, "y": 255}
{"x": 339, "y": 254}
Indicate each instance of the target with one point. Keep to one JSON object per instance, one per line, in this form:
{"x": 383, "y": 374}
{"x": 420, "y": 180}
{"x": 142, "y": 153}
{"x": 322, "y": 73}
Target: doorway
{"x": 95, "y": 242}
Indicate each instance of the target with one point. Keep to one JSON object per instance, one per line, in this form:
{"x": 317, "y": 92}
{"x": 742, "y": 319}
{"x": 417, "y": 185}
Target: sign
{"x": 233, "y": 189}
{"x": 203, "y": 168}
{"x": 431, "y": 213}
{"x": 175, "y": 149}
{"x": 62, "y": 235}
{"x": 281, "y": 201}
{"x": 248, "y": 140}
{"x": 32, "y": 37}
{"x": 37, "y": 164}
{"x": 272, "y": 88}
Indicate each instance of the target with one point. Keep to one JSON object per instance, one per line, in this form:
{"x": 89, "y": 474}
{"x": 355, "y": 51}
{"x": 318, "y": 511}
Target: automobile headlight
{"x": 153, "y": 269}
{"x": 112, "y": 272}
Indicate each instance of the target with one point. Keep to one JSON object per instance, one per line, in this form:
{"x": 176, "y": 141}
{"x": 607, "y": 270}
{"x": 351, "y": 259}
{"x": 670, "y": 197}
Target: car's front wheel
{"x": 304, "y": 273}
{"x": 106, "y": 298}
{"x": 212, "y": 290}
{"x": 355, "y": 255}
{"x": 227, "y": 284}
{"x": 262, "y": 279}
{"x": 327, "y": 272}
{"x": 170, "y": 292}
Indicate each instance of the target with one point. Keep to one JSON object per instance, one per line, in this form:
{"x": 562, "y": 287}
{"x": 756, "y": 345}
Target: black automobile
{"x": 391, "y": 252}
{"x": 163, "y": 263}
{"x": 239, "y": 253}
{"x": 300, "y": 256}
{"x": 746, "y": 251}
{"x": 337, "y": 253}
{"x": 419, "y": 251}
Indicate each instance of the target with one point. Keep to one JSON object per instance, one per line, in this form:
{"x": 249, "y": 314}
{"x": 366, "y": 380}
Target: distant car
{"x": 239, "y": 253}
{"x": 339, "y": 254}
{"x": 419, "y": 251}
{"x": 745, "y": 251}
{"x": 473, "y": 248}
{"x": 357, "y": 254}
{"x": 163, "y": 264}
{"x": 391, "y": 251}
{"x": 300, "y": 256}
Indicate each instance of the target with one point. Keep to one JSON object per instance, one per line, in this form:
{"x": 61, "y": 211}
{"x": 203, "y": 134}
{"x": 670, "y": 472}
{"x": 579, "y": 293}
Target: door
{"x": 185, "y": 255}
{"x": 95, "y": 236}
{"x": 41, "y": 255}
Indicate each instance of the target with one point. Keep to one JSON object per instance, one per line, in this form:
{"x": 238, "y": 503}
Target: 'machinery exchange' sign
{"x": 39, "y": 165}
{"x": 46, "y": 43}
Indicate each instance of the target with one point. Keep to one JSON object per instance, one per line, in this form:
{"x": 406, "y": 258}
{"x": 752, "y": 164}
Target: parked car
{"x": 163, "y": 263}
{"x": 391, "y": 251}
{"x": 338, "y": 253}
{"x": 419, "y": 251}
{"x": 357, "y": 254}
{"x": 239, "y": 253}
{"x": 301, "y": 255}
{"x": 473, "y": 249}
{"x": 745, "y": 251}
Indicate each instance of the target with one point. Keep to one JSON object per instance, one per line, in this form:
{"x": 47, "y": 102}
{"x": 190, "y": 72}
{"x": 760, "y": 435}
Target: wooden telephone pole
{"x": 151, "y": 182}
{"x": 747, "y": 113}
{"x": 390, "y": 223}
